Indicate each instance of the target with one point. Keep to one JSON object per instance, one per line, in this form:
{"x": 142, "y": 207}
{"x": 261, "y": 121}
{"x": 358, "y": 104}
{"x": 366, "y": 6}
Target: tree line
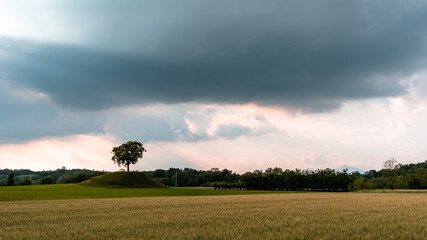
{"x": 392, "y": 176}
{"x": 297, "y": 180}
{"x": 192, "y": 177}
{"x": 10, "y": 177}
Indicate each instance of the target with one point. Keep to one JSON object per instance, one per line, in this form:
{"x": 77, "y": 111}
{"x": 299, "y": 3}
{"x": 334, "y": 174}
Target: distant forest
{"x": 393, "y": 176}
{"x": 62, "y": 175}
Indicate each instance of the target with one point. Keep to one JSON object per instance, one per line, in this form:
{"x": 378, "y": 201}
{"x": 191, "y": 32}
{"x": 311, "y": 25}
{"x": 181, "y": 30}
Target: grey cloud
{"x": 173, "y": 127}
{"x": 303, "y": 55}
{"x": 148, "y": 128}
{"x": 233, "y": 131}
{"x": 28, "y": 120}
{"x": 25, "y": 118}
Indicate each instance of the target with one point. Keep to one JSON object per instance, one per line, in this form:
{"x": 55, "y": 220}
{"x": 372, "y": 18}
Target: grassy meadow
{"x": 261, "y": 216}
{"x": 76, "y": 191}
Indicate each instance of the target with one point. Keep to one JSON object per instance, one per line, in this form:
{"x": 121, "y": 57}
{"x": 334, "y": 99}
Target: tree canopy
{"x": 10, "y": 178}
{"x": 128, "y": 153}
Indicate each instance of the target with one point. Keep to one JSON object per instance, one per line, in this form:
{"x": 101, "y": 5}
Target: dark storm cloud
{"x": 25, "y": 116}
{"x": 298, "y": 54}
{"x": 27, "y": 119}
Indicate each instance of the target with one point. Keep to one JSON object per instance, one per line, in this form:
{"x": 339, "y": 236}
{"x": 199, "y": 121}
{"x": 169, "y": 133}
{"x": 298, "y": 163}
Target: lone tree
{"x": 391, "y": 163}
{"x": 128, "y": 153}
{"x": 10, "y": 178}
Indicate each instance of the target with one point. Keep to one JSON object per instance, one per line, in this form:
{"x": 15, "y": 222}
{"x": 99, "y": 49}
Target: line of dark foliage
{"x": 228, "y": 186}
{"x": 62, "y": 175}
{"x": 190, "y": 177}
{"x": 408, "y": 176}
{"x": 271, "y": 179}
{"x": 297, "y": 180}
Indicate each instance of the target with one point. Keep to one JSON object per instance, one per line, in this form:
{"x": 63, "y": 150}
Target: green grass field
{"x": 75, "y": 191}
{"x": 394, "y": 191}
{"x": 258, "y": 216}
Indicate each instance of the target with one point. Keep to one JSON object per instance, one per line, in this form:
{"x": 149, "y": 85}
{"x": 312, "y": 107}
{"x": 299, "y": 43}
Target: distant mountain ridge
{"x": 350, "y": 169}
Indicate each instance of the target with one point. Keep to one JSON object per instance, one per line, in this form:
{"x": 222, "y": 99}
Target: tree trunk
{"x": 128, "y": 167}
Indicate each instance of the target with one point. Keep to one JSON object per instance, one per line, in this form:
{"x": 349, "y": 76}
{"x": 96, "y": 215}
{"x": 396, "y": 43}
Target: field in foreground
{"x": 75, "y": 191}
{"x": 266, "y": 216}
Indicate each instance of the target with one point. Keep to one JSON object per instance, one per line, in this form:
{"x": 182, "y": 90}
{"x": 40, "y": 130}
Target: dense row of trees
{"x": 28, "y": 177}
{"x": 297, "y": 180}
{"x": 228, "y": 186}
{"x": 186, "y": 176}
{"x": 392, "y": 176}
{"x": 192, "y": 177}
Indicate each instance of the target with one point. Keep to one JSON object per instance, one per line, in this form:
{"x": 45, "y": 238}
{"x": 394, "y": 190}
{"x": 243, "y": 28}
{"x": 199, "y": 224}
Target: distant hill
{"x": 350, "y": 169}
{"x": 123, "y": 180}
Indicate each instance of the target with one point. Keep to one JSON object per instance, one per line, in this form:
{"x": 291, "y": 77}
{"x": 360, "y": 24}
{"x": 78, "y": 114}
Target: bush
{"x": 361, "y": 184}
{"x": 26, "y": 181}
{"x": 228, "y": 186}
{"x": 46, "y": 180}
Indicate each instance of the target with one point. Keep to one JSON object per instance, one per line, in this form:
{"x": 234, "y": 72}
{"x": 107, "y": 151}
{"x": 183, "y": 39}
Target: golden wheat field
{"x": 275, "y": 216}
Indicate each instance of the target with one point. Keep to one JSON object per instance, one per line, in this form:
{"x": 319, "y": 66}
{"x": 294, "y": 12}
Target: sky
{"x": 243, "y": 85}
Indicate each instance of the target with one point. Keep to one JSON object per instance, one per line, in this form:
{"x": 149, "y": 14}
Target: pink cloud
{"x": 81, "y": 151}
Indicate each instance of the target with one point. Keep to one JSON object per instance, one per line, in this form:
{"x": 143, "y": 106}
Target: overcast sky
{"x": 242, "y": 84}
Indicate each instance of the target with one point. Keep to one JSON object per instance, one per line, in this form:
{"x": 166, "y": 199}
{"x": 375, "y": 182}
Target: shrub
{"x": 26, "y": 181}
{"x": 46, "y": 180}
{"x": 361, "y": 184}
